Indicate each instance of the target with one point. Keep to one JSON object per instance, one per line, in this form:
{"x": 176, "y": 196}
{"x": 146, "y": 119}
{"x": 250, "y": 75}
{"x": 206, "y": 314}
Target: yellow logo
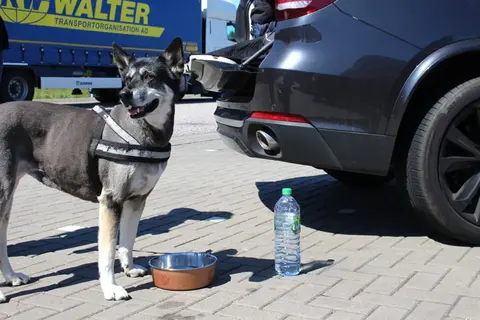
{"x": 110, "y": 16}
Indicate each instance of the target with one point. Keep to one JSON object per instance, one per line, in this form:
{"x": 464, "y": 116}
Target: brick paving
{"x": 364, "y": 257}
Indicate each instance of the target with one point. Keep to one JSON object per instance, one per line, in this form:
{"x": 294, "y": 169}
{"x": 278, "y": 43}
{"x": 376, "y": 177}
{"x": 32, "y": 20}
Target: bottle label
{"x": 296, "y": 226}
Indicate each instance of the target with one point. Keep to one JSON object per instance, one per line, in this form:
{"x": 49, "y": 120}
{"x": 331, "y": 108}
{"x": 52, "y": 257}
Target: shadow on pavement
{"x": 330, "y": 206}
{"x": 228, "y": 266}
{"x": 154, "y": 225}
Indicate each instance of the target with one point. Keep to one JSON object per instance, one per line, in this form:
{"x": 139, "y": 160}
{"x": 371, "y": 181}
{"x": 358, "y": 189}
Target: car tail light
{"x": 276, "y": 116}
{"x": 291, "y": 9}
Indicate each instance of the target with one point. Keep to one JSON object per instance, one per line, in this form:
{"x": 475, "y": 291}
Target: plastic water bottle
{"x": 287, "y": 234}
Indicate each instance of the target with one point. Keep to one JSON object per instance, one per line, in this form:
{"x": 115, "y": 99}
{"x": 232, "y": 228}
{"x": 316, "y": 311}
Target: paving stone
{"x": 420, "y": 256}
{"x": 384, "y": 242}
{"x": 294, "y": 318}
{"x": 244, "y": 312}
{"x": 195, "y": 315}
{"x": 94, "y": 297}
{"x": 13, "y": 307}
{"x": 345, "y": 289}
{"x": 459, "y": 278}
{"x": 389, "y": 259}
{"x": 145, "y": 317}
{"x": 348, "y": 275}
{"x": 243, "y": 287}
{"x": 356, "y": 260}
{"x": 172, "y": 305}
{"x": 291, "y": 308}
{"x": 215, "y": 302}
{"x": 261, "y": 297}
{"x": 372, "y": 298}
{"x": 423, "y": 281}
{"x": 33, "y": 314}
{"x": 304, "y": 293}
{"x": 320, "y": 279}
{"x": 429, "y": 311}
{"x": 343, "y": 305}
{"x": 79, "y": 312}
{"x": 76, "y": 286}
{"x": 123, "y": 309}
{"x": 467, "y": 308}
{"x": 385, "y": 285}
{"x": 428, "y": 296}
{"x": 51, "y": 302}
{"x": 387, "y": 313}
{"x": 342, "y": 315}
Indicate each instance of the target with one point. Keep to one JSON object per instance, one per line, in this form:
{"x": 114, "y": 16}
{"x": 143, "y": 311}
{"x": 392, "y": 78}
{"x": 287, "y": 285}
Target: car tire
{"x": 358, "y": 179}
{"x": 440, "y": 170}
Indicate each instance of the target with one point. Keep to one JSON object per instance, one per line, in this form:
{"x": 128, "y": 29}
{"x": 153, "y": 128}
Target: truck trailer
{"x": 67, "y": 44}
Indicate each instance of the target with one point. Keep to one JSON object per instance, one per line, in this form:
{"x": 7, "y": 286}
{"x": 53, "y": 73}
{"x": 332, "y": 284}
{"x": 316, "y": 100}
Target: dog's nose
{"x": 126, "y": 95}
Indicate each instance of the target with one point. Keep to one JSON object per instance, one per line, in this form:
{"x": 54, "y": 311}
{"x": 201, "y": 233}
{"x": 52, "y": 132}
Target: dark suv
{"x": 367, "y": 90}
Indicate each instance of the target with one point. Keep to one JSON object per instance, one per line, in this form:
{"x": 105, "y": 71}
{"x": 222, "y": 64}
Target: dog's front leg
{"x": 109, "y": 220}
{"x": 131, "y": 214}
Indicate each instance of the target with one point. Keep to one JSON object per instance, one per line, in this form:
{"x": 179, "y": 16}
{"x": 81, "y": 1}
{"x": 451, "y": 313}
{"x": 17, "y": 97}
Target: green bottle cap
{"x": 286, "y": 191}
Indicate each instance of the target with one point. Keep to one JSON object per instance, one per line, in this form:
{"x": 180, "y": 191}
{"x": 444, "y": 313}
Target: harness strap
{"x": 114, "y": 126}
{"x": 130, "y": 151}
{"x": 123, "y": 152}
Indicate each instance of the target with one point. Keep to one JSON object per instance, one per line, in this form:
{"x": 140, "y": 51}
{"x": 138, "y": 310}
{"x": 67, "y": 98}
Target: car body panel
{"x": 425, "y": 23}
{"x": 318, "y": 56}
{"x": 421, "y": 71}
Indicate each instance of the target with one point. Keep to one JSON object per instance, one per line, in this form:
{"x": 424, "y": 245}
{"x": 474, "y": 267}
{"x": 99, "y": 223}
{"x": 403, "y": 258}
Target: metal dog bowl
{"x": 183, "y": 270}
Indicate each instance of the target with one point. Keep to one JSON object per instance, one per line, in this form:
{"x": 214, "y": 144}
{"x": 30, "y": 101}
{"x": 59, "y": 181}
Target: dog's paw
{"x": 114, "y": 292}
{"x": 17, "y": 279}
{"x": 3, "y": 299}
{"x": 136, "y": 272}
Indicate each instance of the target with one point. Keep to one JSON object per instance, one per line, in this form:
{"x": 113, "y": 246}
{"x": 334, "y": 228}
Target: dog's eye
{"x": 149, "y": 79}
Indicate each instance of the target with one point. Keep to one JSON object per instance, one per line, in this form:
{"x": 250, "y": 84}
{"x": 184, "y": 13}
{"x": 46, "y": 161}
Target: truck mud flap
{"x": 220, "y": 76}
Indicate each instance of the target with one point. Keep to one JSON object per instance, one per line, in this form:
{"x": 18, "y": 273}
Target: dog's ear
{"x": 122, "y": 58}
{"x": 174, "y": 57}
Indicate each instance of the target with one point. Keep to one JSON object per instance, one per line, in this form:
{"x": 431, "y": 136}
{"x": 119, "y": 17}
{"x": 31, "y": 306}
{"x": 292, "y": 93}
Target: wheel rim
{"x": 18, "y": 89}
{"x": 459, "y": 164}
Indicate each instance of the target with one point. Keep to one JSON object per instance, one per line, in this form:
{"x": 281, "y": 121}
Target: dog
{"x": 50, "y": 143}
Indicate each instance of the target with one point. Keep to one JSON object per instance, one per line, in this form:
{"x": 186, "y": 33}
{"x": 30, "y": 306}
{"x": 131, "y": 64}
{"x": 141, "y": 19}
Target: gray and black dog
{"x": 51, "y": 142}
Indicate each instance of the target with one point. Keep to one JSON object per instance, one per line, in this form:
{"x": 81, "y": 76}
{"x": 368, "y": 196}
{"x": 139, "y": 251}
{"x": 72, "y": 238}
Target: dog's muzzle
{"x": 138, "y": 112}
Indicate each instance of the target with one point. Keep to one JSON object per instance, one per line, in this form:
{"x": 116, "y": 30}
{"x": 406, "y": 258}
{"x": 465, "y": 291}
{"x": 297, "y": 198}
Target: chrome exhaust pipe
{"x": 266, "y": 141}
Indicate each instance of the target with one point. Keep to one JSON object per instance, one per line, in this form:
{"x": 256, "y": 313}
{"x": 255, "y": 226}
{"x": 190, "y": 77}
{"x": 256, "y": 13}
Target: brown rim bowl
{"x": 183, "y": 270}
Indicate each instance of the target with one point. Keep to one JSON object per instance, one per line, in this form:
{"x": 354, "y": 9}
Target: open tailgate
{"x": 218, "y": 74}
{"x": 224, "y": 75}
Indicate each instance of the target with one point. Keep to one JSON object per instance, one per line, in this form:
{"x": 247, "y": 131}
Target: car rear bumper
{"x": 302, "y": 143}
{"x": 295, "y": 140}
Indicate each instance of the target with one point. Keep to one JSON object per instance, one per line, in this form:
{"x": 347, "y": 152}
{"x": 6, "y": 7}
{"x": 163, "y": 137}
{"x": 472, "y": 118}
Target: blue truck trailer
{"x": 67, "y": 43}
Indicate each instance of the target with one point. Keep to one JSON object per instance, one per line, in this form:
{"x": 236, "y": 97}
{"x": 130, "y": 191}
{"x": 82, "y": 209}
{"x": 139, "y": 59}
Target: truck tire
{"x": 17, "y": 85}
{"x": 106, "y": 95}
{"x": 358, "y": 179}
{"x": 441, "y": 177}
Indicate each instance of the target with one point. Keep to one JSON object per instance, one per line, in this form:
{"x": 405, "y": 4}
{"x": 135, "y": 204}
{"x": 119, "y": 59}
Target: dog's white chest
{"x": 144, "y": 177}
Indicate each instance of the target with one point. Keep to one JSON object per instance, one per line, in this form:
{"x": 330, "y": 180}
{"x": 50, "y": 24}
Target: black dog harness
{"x": 130, "y": 151}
